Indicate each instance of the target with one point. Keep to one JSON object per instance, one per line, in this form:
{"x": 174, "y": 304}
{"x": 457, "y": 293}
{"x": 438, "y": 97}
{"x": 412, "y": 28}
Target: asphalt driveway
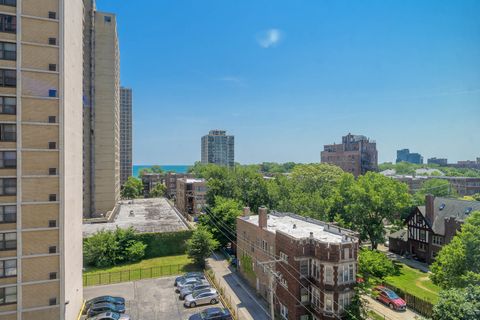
{"x": 150, "y": 299}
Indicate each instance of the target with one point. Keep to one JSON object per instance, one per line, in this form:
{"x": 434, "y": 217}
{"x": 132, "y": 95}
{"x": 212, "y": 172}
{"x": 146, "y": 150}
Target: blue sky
{"x": 287, "y": 77}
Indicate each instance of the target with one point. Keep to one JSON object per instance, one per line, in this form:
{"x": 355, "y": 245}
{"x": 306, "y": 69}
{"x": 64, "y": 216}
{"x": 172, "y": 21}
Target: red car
{"x": 390, "y": 298}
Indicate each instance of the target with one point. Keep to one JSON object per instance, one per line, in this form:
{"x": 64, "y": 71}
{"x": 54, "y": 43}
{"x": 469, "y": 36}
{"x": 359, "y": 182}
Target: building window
{"x": 8, "y": 159}
{"x": 422, "y": 235}
{"x": 422, "y": 247}
{"x": 437, "y": 240}
{"x": 283, "y": 311}
{"x": 315, "y": 297}
{"x": 328, "y": 275}
{"x": 108, "y": 19}
{"x": 8, "y": 268}
{"x": 283, "y": 256}
{"x": 346, "y": 254}
{"x": 8, "y": 214}
{"x": 8, "y": 23}
{"x": 328, "y": 302}
{"x": 304, "y": 267}
{"x": 344, "y": 300}
{"x": 264, "y": 245}
{"x": 8, "y": 78}
{"x": 12, "y": 3}
{"x": 304, "y": 295}
{"x": 314, "y": 269}
{"x": 52, "y": 15}
{"x": 8, "y": 105}
{"x": 8, "y": 241}
{"x": 8, "y": 295}
{"x": 8, "y": 51}
{"x": 346, "y": 273}
{"x": 8, "y": 187}
{"x": 283, "y": 282}
{"x": 8, "y": 132}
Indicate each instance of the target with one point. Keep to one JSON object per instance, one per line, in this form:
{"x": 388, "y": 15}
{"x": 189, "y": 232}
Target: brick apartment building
{"x": 431, "y": 226}
{"x": 356, "y": 154}
{"x": 191, "y": 196}
{"x": 150, "y": 180}
{"x": 171, "y": 182}
{"x": 313, "y": 263}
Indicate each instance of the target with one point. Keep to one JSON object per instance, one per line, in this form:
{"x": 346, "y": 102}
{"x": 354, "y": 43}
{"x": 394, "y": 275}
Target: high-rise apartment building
{"x": 405, "y": 155}
{"x": 125, "y": 134}
{"x": 356, "y": 154}
{"x": 101, "y": 112}
{"x": 439, "y": 161}
{"x": 40, "y": 159}
{"x": 218, "y": 148}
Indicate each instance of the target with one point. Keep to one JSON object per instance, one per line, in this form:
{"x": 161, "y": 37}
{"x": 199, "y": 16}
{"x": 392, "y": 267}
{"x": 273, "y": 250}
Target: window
{"x": 315, "y": 297}
{"x": 52, "y": 15}
{"x": 346, "y": 273}
{"x": 52, "y": 197}
{"x": 52, "y": 301}
{"x": 422, "y": 247}
{"x": 52, "y": 119}
{"x": 8, "y": 23}
{"x": 264, "y": 245}
{"x": 8, "y": 105}
{"x": 8, "y": 159}
{"x": 8, "y": 78}
{"x": 328, "y": 302}
{"x": 283, "y": 311}
{"x": 344, "y": 300}
{"x": 12, "y": 3}
{"x": 52, "y": 249}
{"x": 52, "y": 41}
{"x": 422, "y": 235}
{"x": 8, "y": 268}
{"x": 8, "y": 241}
{"x": 8, "y": 214}
{"x": 283, "y": 256}
{"x": 53, "y": 275}
{"x": 8, "y": 132}
{"x": 304, "y": 295}
{"x": 52, "y": 171}
{"x": 52, "y": 145}
{"x": 437, "y": 240}
{"x": 52, "y": 67}
{"x": 108, "y": 19}
{"x": 52, "y": 223}
{"x": 328, "y": 275}
{"x": 8, "y": 187}
{"x": 304, "y": 267}
{"x": 346, "y": 254}
{"x": 314, "y": 269}
{"x": 283, "y": 282}
{"x": 8, "y": 51}
{"x": 8, "y": 295}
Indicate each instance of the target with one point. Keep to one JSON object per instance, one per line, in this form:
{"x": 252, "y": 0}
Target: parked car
{"x": 189, "y": 275}
{"x": 188, "y": 282}
{"x": 99, "y": 308}
{"x": 390, "y": 298}
{"x": 106, "y": 299}
{"x": 205, "y": 296}
{"x": 110, "y": 316}
{"x": 212, "y": 314}
{"x": 191, "y": 289}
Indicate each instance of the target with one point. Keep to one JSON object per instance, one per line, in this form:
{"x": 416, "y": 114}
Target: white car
{"x": 110, "y": 316}
{"x": 205, "y": 296}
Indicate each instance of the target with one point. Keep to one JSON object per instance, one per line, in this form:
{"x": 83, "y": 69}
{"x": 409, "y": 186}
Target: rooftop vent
{"x": 442, "y": 206}
{"x": 294, "y": 226}
{"x": 468, "y": 210}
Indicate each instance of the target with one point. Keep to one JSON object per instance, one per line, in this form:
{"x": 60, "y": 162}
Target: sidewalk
{"x": 243, "y": 299}
{"x": 388, "y": 313}
{"x": 409, "y": 262}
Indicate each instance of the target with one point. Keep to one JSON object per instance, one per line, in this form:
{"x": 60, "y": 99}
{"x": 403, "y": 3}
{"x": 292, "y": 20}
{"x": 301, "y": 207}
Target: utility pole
{"x": 271, "y": 277}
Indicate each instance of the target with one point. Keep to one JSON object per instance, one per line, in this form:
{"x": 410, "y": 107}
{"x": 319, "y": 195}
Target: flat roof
{"x": 321, "y": 231}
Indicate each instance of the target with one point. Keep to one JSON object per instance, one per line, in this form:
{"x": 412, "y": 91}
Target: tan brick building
{"x": 311, "y": 264}
{"x": 40, "y": 162}
{"x": 356, "y": 154}
{"x": 101, "y": 112}
{"x": 191, "y": 196}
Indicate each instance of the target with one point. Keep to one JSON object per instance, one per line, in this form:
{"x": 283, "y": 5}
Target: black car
{"x": 105, "y": 307}
{"x": 211, "y": 314}
{"x": 199, "y": 275}
{"x": 105, "y": 299}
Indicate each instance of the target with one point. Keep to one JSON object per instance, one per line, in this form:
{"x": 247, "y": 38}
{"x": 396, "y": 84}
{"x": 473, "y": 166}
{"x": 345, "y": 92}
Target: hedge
{"x": 165, "y": 244}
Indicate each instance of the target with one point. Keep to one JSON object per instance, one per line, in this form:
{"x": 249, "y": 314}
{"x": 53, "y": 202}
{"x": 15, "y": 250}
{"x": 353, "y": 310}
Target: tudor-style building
{"x": 431, "y": 226}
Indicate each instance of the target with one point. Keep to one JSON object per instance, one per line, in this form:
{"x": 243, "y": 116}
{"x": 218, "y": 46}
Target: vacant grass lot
{"x": 148, "y": 268}
{"x": 416, "y": 283}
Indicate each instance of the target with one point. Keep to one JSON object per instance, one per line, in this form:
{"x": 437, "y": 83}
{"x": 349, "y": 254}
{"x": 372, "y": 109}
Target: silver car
{"x": 110, "y": 316}
{"x": 182, "y": 284}
{"x": 206, "y": 296}
{"x": 191, "y": 289}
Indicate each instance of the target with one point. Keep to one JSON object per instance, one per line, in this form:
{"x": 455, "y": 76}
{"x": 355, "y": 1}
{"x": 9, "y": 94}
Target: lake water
{"x": 174, "y": 168}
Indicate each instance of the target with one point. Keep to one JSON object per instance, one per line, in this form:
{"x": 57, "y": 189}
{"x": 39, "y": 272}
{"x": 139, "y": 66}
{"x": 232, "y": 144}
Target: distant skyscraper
{"x": 439, "y": 161}
{"x": 101, "y": 111}
{"x": 404, "y": 155}
{"x": 125, "y": 134}
{"x": 218, "y": 148}
{"x": 356, "y": 155}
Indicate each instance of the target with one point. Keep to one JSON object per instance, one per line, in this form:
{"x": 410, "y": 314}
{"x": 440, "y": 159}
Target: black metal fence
{"x": 95, "y": 279}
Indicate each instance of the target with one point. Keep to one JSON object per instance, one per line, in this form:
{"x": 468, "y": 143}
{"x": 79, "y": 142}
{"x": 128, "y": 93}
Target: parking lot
{"x": 151, "y": 299}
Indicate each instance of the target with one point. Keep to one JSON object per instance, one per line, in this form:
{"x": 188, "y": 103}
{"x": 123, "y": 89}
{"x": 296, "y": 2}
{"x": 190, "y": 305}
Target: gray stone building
{"x": 218, "y": 148}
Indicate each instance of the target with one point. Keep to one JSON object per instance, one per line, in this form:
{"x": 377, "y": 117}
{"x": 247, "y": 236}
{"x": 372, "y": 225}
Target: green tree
{"x": 221, "y": 219}
{"x": 458, "y": 304}
{"x": 201, "y": 245}
{"x": 373, "y": 263}
{"x": 249, "y": 188}
{"x": 373, "y": 199}
{"x": 132, "y": 189}
{"x": 458, "y": 263}
{"x": 152, "y": 169}
{"x": 158, "y": 191}
{"x": 436, "y": 187}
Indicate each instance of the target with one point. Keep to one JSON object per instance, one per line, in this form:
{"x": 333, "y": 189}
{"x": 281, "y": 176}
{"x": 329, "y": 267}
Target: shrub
{"x": 164, "y": 244}
{"x": 135, "y": 252}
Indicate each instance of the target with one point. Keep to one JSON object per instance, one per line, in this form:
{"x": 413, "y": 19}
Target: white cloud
{"x": 269, "y": 38}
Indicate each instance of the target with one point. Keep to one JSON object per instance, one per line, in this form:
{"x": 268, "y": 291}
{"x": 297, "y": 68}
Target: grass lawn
{"x": 416, "y": 283}
{"x": 148, "y": 268}
{"x": 375, "y": 316}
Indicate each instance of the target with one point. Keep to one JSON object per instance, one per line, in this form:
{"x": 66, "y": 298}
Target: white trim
{"x": 40, "y": 229}
{"x": 39, "y": 202}
{"x": 7, "y": 313}
{"x": 40, "y": 308}
{"x": 39, "y": 18}
{"x": 39, "y": 150}
{"x": 39, "y": 44}
{"x": 40, "y": 71}
{"x": 11, "y": 13}
{"x": 31, "y": 123}
{"x": 39, "y": 255}
{"x": 8, "y": 285}
{"x": 40, "y": 282}
{"x": 42, "y": 176}
{"x": 39, "y": 97}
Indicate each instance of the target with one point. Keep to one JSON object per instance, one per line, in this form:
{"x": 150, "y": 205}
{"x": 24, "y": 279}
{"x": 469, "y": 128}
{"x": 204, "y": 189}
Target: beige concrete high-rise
{"x": 40, "y": 159}
{"x": 125, "y": 134}
{"x": 101, "y": 112}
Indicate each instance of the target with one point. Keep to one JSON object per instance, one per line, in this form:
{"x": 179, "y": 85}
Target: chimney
{"x": 246, "y": 211}
{"x": 262, "y": 217}
{"x": 430, "y": 208}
